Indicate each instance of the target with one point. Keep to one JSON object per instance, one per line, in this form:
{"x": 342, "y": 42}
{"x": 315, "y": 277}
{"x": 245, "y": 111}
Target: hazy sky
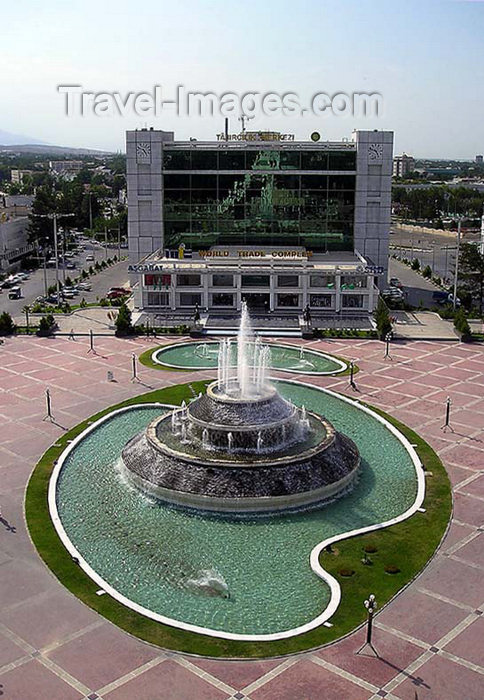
{"x": 425, "y": 58}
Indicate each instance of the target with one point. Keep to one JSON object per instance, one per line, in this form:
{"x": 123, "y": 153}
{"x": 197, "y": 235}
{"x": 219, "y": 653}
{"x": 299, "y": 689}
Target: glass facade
{"x": 259, "y": 197}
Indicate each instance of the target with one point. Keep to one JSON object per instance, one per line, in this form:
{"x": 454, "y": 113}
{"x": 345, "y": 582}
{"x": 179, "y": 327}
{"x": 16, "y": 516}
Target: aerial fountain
{"x": 242, "y": 447}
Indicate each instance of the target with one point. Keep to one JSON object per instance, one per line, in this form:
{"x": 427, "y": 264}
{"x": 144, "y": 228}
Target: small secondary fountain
{"x": 241, "y": 447}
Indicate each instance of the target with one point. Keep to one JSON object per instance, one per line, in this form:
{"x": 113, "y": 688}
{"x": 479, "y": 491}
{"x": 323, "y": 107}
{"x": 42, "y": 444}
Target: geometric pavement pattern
{"x": 430, "y": 638}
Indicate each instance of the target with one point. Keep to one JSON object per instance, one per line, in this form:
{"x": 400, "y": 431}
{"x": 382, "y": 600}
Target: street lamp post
{"x": 456, "y": 272}
{"x": 370, "y": 605}
{"x": 388, "y": 338}
{"x": 447, "y": 424}
{"x": 352, "y": 369}
{"x": 134, "y": 378}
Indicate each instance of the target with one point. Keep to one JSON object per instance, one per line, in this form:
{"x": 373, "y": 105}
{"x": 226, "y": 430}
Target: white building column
{"x": 337, "y": 287}
{"x": 205, "y": 283}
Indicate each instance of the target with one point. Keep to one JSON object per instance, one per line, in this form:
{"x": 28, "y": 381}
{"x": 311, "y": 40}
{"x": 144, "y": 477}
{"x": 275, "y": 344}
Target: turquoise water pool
{"x": 283, "y": 357}
{"x": 155, "y": 555}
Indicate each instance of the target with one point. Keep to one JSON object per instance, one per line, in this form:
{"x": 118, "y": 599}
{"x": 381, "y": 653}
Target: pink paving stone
{"x": 306, "y": 680}
{"x": 472, "y": 457}
{"x": 473, "y": 552}
{"x": 468, "y": 509}
{"x": 400, "y": 372}
{"x": 434, "y": 380}
{"x": 476, "y": 486}
{"x": 420, "y": 616}
{"x": 470, "y": 417}
{"x": 167, "y": 680}
{"x": 394, "y": 655}
{"x": 237, "y": 674}
{"x": 455, "y": 534}
{"x": 425, "y": 407}
{"x": 468, "y": 644}
{"x": 442, "y": 680}
{"x": 32, "y": 681}
{"x": 102, "y": 655}
{"x": 21, "y": 580}
{"x": 46, "y": 621}
{"x": 9, "y": 651}
{"x": 456, "y": 373}
{"x": 453, "y": 580}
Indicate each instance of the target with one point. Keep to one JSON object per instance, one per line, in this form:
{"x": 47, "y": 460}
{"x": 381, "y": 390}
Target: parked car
{"x": 89, "y": 258}
{"x": 442, "y": 297}
{"x": 70, "y": 266}
{"x": 15, "y": 293}
{"x": 84, "y": 286}
{"x": 123, "y": 290}
{"x": 67, "y": 294}
{"x": 115, "y": 294}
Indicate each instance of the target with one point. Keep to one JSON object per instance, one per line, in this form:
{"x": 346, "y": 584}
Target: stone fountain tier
{"x": 203, "y": 479}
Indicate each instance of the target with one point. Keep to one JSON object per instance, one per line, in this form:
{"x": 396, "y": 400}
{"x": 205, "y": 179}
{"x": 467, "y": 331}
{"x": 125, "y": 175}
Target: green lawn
{"x": 407, "y": 546}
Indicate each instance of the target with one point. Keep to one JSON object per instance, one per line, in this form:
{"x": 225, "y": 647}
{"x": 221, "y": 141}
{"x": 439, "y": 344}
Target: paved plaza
{"x": 430, "y": 638}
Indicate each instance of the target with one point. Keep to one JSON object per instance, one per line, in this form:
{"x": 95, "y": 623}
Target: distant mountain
{"x": 8, "y": 139}
{"x": 13, "y": 143}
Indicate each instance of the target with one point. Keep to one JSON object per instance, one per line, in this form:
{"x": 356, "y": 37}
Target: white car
{"x": 84, "y": 286}
{"x": 89, "y": 258}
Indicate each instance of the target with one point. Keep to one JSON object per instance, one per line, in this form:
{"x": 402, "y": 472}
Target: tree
{"x": 123, "y": 321}
{"x": 46, "y": 325}
{"x": 382, "y": 319}
{"x": 415, "y": 264}
{"x": 471, "y": 272}
{"x": 7, "y": 326}
{"x": 461, "y": 325}
{"x": 427, "y": 272}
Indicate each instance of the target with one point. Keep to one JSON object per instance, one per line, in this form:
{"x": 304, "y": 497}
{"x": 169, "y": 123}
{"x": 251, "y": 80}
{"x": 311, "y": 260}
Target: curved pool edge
{"x": 332, "y": 583}
{"x": 343, "y": 366}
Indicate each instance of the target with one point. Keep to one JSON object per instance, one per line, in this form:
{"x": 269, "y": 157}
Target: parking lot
{"x": 37, "y": 282}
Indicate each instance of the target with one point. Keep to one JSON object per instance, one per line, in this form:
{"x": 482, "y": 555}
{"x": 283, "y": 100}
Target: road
{"x": 434, "y": 250}
{"x": 101, "y": 282}
{"x": 417, "y": 289}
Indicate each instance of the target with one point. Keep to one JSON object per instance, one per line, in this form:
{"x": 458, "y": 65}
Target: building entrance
{"x": 257, "y": 302}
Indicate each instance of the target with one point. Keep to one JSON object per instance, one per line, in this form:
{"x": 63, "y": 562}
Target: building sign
{"x": 256, "y": 136}
{"x": 255, "y": 253}
{"x": 371, "y": 269}
{"x": 145, "y": 267}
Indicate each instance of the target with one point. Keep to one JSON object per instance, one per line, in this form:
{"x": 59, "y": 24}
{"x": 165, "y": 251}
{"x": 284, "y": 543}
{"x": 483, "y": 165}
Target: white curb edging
{"x": 333, "y": 584}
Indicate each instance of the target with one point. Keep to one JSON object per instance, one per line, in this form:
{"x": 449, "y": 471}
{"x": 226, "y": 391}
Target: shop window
{"x": 321, "y": 281}
{"x": 221, "y": 280}
{"x": 320, "y": 301}
{"x": 353, "y": 282}
{"x": 287, "y": 281}
{"x": 288, "y": 300}
{"x": 158, "y": 299}
{"x": 188, "y": 280}
{"x": 220, "y": 299}
{"x": 187, "y": 299}
{"x": 352, "y": 301}
{"x": 256, "y": 281}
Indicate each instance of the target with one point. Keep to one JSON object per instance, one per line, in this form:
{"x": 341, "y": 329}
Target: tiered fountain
{"x": 241, "y": 447}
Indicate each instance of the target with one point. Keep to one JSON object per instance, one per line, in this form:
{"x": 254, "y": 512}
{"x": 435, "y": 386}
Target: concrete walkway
{"x": 52, "y": 647}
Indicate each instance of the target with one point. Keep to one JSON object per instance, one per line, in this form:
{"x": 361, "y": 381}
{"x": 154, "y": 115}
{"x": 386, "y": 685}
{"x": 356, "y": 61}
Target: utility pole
{"x": 105, "y": 243}
{"x": 456, "y": 272}
{"x": 119, "y": 241}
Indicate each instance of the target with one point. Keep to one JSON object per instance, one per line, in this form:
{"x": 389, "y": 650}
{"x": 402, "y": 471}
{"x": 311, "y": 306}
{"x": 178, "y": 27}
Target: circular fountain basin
{"x": 162, "y": 561}
{"x": 284, "y": 357}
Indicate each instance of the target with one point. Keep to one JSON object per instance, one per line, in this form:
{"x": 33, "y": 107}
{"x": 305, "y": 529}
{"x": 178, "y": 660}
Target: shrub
{"x": 103, "y": 264}
{"x": 84, "y": 274}
{"x": 415, "y": 264}
{"x": 370, "y": 549}
{"x": 83, "y": 303}
{"x": 382, "y": 319}
{"x": 103, "y": 302}
{"x": 7, "y": 326}
{"x": 46, "y": 325}
{"x": 346, "y": 573}
{"x": 461, "y": 325}
{"x": 427, "y": 272}
{"x": 68, "y": 282}
{"x": 97, "y": 267}
{"x": 123, "y": 321}
{"x": 91, "y": 270}
{"x": 392, "y": 569}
